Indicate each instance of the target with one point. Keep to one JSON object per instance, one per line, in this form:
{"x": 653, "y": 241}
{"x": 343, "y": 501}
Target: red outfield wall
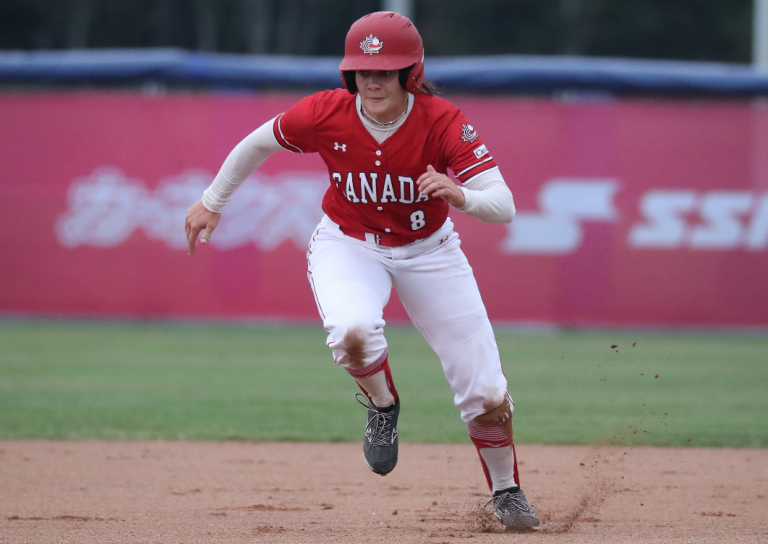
{"x": 629, "y": 212}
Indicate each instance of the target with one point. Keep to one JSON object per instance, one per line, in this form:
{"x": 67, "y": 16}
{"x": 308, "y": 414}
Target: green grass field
{"x": 128, "y": 380}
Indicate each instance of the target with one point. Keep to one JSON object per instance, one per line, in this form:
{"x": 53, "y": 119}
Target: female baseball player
{"x": 388, "y": 142}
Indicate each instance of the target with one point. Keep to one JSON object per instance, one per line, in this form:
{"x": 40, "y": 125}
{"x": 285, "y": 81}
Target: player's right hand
{"x": 199, "y": 218}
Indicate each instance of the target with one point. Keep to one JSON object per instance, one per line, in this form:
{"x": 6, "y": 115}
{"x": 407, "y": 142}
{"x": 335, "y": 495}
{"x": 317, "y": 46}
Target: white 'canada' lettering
{"x": 388, "y": 193}
{"x": 367, "y": 191}
{"x": 350, "y": 192}
{"x": 369, "y": 188}
{"x": 405, "y": 180}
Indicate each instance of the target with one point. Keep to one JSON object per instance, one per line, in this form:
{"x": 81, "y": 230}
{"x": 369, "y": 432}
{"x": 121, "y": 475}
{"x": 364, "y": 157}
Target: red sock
{"x": 369, "y": 371}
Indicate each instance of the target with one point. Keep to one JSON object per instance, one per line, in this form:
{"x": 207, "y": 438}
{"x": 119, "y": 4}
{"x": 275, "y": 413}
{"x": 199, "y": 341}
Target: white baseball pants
{"x": 353, "y": 279}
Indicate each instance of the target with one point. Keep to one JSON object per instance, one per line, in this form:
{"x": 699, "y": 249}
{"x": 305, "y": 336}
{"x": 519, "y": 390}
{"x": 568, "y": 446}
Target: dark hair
{"x": 429, "y": 87}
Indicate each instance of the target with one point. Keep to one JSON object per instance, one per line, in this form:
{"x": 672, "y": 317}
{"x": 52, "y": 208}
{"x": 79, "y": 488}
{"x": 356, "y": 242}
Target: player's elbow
{"x": 510, "y": 212}
{"x": 506, "y": 212}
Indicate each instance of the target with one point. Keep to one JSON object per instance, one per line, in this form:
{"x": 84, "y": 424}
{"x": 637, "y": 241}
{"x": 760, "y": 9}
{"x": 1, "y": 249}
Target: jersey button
{"x": 386, "y": 230}
{"x": 378, "y": 163}
{"x": 379, "y": 208}
{"x": 378, "y": 151}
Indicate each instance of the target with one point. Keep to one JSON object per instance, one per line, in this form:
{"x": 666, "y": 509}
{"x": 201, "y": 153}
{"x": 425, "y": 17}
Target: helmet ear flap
{"x": 348, "y": 79}
{"x": 402, "y": 76}
{"x": 412, "y": 77}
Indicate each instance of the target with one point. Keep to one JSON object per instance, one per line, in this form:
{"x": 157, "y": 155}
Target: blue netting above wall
{"x": 498, "y": 74}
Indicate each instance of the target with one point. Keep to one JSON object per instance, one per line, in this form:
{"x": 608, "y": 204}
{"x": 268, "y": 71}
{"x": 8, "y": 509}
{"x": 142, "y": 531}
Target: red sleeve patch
{"x": 466, "y": 153}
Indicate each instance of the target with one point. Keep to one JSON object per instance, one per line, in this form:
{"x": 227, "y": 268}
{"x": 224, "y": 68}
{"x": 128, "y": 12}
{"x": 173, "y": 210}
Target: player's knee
{"x": 354, "y": 345}
{"x": 495, "y": 414}
{"x": 354, "y": 342}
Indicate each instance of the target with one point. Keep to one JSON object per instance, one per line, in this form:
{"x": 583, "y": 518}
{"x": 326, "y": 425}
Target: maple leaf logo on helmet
{"x": 468, "y": 133}
{"x": 371, "y": 45}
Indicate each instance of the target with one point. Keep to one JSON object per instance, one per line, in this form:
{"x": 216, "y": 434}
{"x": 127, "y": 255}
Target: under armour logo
{"x": 337, "y": 146}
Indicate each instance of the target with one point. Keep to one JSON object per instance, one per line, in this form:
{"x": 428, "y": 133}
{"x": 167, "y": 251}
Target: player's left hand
{"x": 433, "y": 183}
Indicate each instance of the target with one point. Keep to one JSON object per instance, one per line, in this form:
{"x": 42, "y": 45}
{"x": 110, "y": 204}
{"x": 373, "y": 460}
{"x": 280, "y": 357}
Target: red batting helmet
{"x": 384, "y": 41}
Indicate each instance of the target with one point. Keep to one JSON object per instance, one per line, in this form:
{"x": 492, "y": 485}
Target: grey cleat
{"x": 513, "y": 510}
{"x": 380, "y": 442}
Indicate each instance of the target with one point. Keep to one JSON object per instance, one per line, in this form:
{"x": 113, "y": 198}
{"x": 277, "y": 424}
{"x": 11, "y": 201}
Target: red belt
{"x": 386, "y": 240}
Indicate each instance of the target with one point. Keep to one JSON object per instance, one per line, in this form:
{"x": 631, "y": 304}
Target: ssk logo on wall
{"x": 713, "y": 220}
{"x": 371, "y": 45}
{"x": 716, "y": 220}
{"x": 468, "y": 133}
{"x": 565, "y": 204}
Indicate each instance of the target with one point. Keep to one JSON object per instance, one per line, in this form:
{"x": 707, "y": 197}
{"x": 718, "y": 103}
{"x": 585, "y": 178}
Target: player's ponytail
{"x": 429, "y": 87}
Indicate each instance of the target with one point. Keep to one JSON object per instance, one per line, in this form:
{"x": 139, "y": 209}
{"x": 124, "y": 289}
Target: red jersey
{"x": 373, "y": 186}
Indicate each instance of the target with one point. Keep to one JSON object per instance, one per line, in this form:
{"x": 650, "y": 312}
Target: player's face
{"x": 383, "y": 97}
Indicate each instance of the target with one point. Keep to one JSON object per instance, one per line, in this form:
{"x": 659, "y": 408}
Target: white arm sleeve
{"x": 488, "y": 198}
{"x": 243, "y": 161}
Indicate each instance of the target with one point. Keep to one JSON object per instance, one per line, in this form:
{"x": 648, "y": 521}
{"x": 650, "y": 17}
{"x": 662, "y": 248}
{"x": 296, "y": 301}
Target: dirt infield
{"x": 182, "y": 492}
